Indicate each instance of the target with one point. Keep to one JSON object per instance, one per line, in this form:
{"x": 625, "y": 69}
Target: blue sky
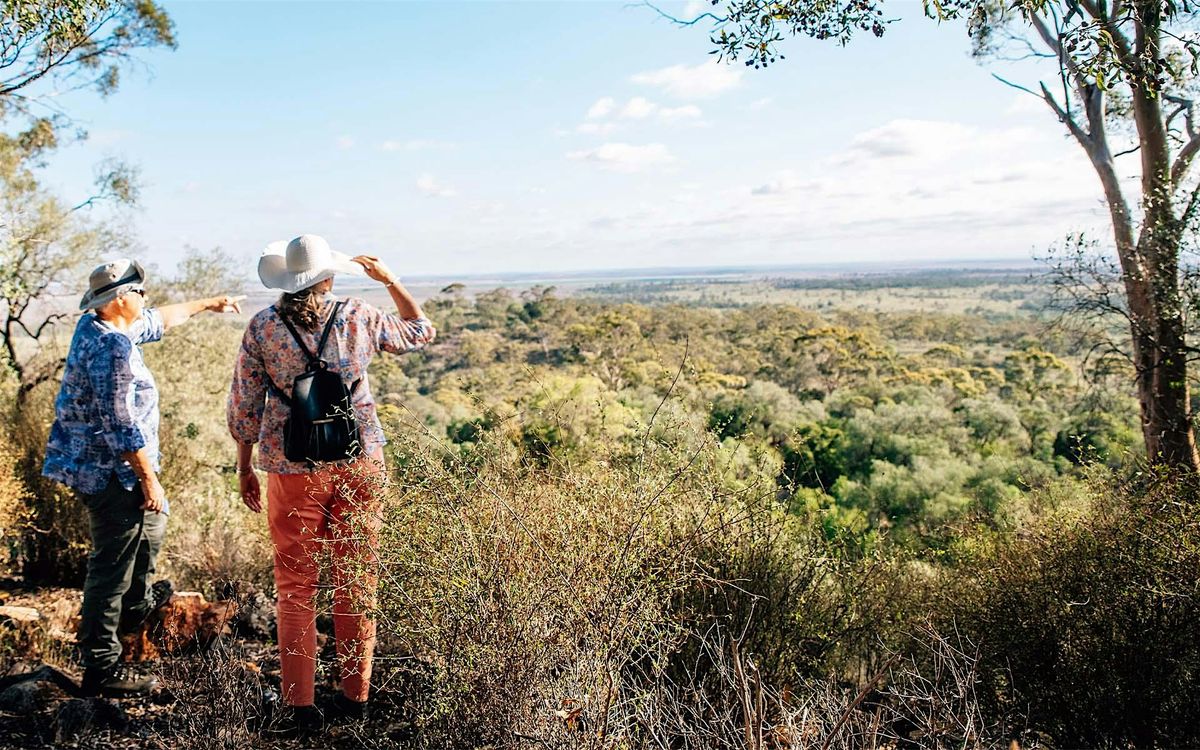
{"x": 468, "y": 138}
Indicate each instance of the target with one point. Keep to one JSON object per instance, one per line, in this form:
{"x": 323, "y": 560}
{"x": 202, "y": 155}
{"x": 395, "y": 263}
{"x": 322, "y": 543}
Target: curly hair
{"x": 302, "y": 309}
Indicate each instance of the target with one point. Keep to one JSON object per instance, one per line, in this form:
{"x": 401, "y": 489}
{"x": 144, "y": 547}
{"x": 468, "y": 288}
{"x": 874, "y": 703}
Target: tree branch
{"x": 1183, "y": 160}
{"x": 1080, "y": 134}
{"x": 1017, "y": 86}
{"x": 679, "y": 21}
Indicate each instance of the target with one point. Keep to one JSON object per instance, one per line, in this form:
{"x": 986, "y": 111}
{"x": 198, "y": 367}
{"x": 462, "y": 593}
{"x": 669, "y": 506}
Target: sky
{"x": 485, "y": 137}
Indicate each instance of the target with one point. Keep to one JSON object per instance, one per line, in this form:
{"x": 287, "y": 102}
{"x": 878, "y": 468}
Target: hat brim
{"x": 274, "y": 274}
{"x": 90, "y": 300}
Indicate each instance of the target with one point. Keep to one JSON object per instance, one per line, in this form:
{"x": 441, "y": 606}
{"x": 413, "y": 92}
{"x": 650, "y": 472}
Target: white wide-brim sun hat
{"x": 306, "y": 260}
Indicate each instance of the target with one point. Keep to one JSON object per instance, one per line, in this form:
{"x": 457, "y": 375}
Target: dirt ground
{"x": 219, "y": 691}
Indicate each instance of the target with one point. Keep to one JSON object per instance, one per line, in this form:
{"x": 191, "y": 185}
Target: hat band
{"x": 135, "y": 276}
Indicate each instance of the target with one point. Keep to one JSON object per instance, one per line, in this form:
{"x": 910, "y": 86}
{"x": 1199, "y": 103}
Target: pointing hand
{"x": 227, "y": 304}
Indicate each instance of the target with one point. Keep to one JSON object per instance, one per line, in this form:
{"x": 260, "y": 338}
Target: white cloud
{"x": 1025, "y": 104}
{"x": 935, "y": 187}
{"x": 641, "y": 108}
{"x": 415, "y": 144}
{"x": 694, "y": 8}
{"x": 431, "y": 187}
{"x": 345, "y": 142}
{"x": 601, "y": 107}
{"x": 686, "y": 112}
{"x": 923, "y": 139}
{"x": 596, "y": 128}
{"x": 638, "y": 108}
{"x": 785, "y": 182}
{"x": 623, "y": 157}
{"x": 758, "y": 104}
{"x": 701, "y": 81}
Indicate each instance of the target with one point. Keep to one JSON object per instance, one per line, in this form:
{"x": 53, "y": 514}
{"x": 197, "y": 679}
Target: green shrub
{"x": 1086, "y": 618}
{"x": 614, "y": 586}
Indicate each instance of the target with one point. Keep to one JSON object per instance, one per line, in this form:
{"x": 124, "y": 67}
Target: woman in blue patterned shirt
{"x": 104, "y": 444}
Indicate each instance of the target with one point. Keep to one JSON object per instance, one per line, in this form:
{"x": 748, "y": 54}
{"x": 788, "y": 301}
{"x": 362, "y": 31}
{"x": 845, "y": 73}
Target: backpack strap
{"x": 312, "y": 358}
{"x": 337, "y": 308}
{"x": 292, "y": 329}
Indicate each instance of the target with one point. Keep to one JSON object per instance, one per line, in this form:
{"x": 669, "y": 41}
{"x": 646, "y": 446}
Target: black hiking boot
{"x": 346, "y": 711}
{"x": 295, "y": 721}
{"x": 160, "y": 594}
{"x": 117, "y": 681}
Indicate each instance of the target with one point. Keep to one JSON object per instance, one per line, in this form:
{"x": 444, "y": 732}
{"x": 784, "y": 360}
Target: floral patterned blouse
{"x": 268, "y": 350}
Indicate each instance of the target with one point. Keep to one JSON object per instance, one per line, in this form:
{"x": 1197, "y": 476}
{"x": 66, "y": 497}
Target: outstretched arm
{"x": 181, "y": 312}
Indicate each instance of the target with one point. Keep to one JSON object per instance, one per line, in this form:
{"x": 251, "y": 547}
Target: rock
{"x": 138, "y": 647}
{"x": 25, "y": 673}
{"x": 58, "y": 611}
{"x": 256, "y": 617}
{"x": 22, "y": 698}
{"x": 78, "y": 715}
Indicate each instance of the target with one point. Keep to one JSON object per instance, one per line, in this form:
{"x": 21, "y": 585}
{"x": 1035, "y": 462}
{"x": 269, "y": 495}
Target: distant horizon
{"x": 648, "y": 273}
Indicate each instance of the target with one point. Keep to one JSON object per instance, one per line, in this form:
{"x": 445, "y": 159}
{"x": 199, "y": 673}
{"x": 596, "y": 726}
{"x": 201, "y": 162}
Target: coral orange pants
{"x": 331, "y": 513}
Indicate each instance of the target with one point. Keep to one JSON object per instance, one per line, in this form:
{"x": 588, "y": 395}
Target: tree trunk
{"x": 1160, "y": 349}
{"x": 1160, "y": 359}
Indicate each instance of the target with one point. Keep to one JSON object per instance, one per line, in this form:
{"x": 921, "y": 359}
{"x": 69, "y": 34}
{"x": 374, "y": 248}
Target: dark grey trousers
{"x": 125, "y": 544}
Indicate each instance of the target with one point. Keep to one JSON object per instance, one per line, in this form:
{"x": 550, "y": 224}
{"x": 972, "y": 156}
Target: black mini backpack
{"x": 321, "y": 425}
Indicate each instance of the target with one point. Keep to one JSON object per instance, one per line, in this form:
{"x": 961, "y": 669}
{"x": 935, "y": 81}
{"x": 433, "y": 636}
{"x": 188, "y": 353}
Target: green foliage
{"x": 1095, "y": 41}
{"x": 613, "y": 586}
{"x": 199, "y": 274}
{"x": 960, "y": 427}
{"x": 1085, "y": 620}
{"x": 73, "y": 44}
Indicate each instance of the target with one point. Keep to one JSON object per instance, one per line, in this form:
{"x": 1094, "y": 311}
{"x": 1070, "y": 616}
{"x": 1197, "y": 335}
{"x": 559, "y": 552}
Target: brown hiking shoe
{"x": 117, "y": 681}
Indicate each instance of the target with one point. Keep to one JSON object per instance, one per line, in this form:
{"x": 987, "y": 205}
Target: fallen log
{"x": 19, "y": 615}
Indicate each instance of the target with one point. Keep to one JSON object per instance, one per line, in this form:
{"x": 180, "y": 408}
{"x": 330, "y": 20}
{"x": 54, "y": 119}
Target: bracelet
{"x": 245, "y": 472}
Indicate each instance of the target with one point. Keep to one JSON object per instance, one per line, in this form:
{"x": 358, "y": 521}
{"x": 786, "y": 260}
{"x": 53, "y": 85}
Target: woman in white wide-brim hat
{"x": 314, "y": 506}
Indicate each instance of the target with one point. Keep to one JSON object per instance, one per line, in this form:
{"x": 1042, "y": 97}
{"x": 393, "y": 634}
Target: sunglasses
{"x": 139, "y": 291}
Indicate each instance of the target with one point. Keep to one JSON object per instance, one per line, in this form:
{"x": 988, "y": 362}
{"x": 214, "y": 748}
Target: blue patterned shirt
{"x": 107, "y": 406}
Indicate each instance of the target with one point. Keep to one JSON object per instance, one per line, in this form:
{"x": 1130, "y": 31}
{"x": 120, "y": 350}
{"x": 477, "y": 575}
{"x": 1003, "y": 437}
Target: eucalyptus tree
{"x": 1121, "y": 77}
{"x": 49, "y": 48}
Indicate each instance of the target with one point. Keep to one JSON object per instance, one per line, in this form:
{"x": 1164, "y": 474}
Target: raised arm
{"x": 406, "y": 306}
{"x": 408, "y": 329}
{"x": 182, "y": 312}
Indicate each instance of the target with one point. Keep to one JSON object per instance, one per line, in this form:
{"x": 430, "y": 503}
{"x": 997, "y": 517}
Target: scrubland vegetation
{"x": 622, "y": 525}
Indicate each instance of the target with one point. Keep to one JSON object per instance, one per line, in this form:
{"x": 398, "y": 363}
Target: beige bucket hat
{"x": 110, "y": 280}
{"x": 306, "y": 260}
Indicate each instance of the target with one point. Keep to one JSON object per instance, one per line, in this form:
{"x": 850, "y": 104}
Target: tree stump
{"x": 187, "y": 622}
